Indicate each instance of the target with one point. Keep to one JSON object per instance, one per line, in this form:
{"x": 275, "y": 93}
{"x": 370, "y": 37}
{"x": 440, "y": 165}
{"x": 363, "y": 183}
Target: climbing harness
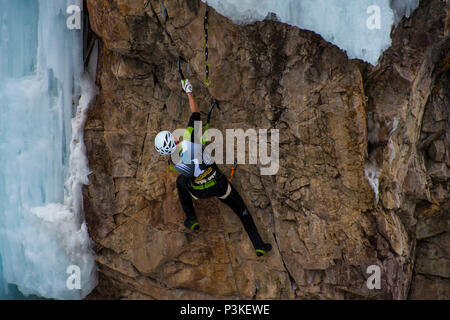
{"x": 204, "y": 186}
{"x": 206, "y": 27}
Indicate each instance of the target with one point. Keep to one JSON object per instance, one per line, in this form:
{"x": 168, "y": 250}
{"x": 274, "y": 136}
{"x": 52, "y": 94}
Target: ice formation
{"x": 42, "y": 228}
{"x": 391, "y": 144}
{"x": 360, "y": 27}
{"x": 403, "y": 8}
{"x": 372, "y": 175}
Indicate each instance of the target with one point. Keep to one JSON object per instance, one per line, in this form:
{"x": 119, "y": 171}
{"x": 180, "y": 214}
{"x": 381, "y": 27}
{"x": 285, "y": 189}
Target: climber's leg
{"x": 191, "y": 221}
{"x": 235, "y": 202}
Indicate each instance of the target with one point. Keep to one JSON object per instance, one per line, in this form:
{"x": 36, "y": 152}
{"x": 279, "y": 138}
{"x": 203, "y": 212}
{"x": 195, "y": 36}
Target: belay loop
{"x": 205, "y": 27}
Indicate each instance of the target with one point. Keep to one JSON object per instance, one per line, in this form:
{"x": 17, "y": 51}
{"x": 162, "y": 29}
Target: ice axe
{"x": 180, "y": 71}
{"x": 181, "y": 59}
{"x": 214, "y": 104}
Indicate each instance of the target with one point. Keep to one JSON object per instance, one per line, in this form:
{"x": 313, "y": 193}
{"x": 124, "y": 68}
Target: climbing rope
{"x": 206, "y": 27}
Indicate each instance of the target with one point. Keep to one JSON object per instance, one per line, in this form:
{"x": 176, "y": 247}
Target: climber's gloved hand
{"x": 187, "y": 86}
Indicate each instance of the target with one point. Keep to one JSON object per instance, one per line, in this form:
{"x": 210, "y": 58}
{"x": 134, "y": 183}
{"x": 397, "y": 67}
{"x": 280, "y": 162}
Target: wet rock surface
{"x": 342, "y": 123}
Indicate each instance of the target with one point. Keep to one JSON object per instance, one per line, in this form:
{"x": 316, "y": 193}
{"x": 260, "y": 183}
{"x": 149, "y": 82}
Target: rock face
{"x": 346, "y": 130}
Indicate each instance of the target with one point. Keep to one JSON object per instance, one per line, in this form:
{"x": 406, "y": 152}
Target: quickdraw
{"x": 206, "y": 27}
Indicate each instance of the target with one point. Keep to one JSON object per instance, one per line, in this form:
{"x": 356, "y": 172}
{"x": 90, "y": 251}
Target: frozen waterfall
{"x": 43, "y": 236}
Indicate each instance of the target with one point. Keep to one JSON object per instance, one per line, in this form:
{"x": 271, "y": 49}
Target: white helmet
{"x": 165, "y": 143}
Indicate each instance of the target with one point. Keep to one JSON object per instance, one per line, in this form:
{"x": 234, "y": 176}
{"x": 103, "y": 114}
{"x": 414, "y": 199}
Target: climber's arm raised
{"x": 193, "y": 104}
{"x": 187, "y": 86}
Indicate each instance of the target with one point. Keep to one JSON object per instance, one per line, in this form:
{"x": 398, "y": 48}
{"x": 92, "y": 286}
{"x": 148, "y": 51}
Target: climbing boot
{"x": 192, "y": 224}
{"x": 264, "y": 250}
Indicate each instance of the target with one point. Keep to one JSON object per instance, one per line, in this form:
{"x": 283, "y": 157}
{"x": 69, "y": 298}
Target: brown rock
{"x": 437, "y": 151}
{"x": 319, "y": 211}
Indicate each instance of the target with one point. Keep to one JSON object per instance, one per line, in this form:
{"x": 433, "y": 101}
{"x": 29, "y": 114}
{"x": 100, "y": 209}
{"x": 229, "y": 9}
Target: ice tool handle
{"x": 180, "y": 71}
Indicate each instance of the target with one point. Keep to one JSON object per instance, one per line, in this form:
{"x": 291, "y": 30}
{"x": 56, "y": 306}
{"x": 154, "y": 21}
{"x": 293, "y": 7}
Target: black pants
{"x": 233, "y": 200}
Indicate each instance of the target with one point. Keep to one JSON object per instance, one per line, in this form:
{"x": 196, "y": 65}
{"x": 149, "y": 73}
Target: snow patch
{"x": 403, "y": 8}
{"x": 343, "y": 23}
{"x": 372, "y": 174}
{"x": 391, "y": 144}
{"x": 391, "y": 151}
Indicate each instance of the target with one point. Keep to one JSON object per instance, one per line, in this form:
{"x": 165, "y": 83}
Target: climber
{"x": 200, "y": 178}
